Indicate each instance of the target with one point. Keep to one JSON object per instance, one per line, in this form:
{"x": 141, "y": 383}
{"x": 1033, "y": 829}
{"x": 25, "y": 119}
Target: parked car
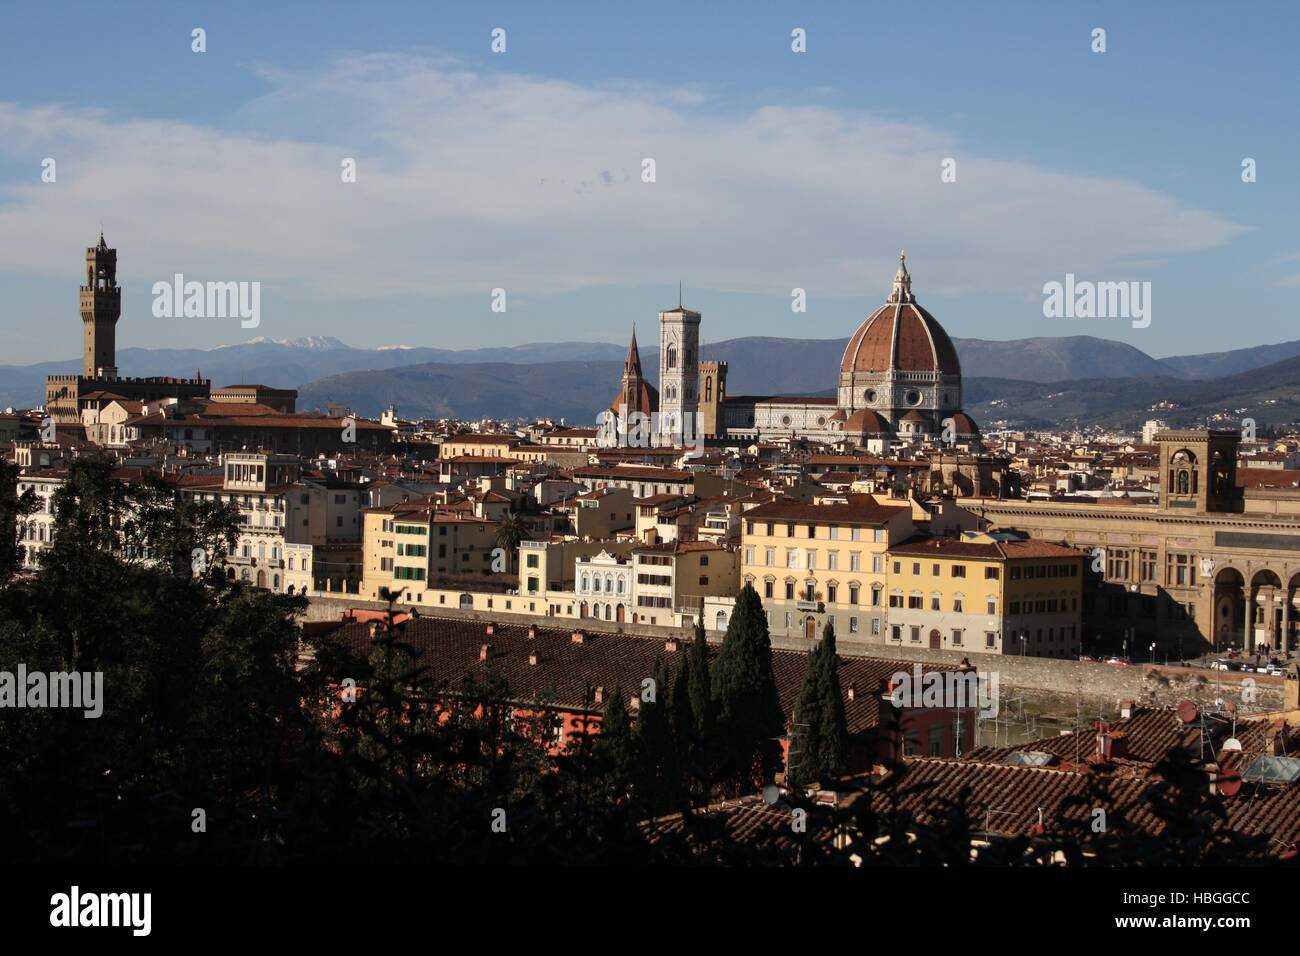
{"x": 1272, "y": 667}
{"x": 1090, "y": 660}
{"x": 1117, "y": 662}
{"x": 1225, "y": 665}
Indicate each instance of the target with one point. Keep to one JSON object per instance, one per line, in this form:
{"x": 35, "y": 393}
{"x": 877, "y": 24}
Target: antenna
{"x": 679, "y": 293}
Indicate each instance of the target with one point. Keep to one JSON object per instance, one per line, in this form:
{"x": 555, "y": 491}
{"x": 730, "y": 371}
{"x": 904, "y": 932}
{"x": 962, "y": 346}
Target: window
{"x": 896, "y": 632}
{"x": 832, "y": 560}
{"x": 956, "y": 636}
{"x": 991, "y": 606}
{"x": 789, "y": 590}
{"x": 916, "y": 568}
{"x": 914, "y": 602}
{"x": 876, "y": 595}
{"x": 1117, "y": 564}
{"x": 959, "y": 570}
{"x": 934, "y": 602}
{"x": 853, "y": 625}
{"x": 1147, "y": 566}
{"x": 934, "y": 570}
{"x": 853, "y": 594}
{"x": 991, "y": 574}
{"x": 878, "y": 564}
{"x": 916, "y": 634}
{"x": 957, "y": 604}
{"x": 831, "y": 591}
{"x": 990, "y": 638}
{"x": 855, "y": 561}
{"x": 767, "y": 589}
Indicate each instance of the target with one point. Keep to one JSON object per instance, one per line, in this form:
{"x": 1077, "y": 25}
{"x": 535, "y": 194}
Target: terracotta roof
{"x": 567, "y": 671}
{"x": 994, "y": 550}
{"x": 902, "y": 336}
{"x": 864, "y": 512}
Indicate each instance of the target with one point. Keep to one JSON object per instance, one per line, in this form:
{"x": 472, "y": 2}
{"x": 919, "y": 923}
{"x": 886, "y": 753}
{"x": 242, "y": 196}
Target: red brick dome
{"x": 901, "y": 335}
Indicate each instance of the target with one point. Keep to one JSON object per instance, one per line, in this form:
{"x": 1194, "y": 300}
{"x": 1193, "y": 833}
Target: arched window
{"x": 670, "y": 357}
{"x": 584, "y": 583}
{"x": 708, "y": 388}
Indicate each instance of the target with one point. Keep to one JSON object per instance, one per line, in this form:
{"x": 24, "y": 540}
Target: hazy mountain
{"x": 1057, "y": 359}
{"x": 1218, "y": 364}
{"x": 1090, "y": 379}
{"x": 574, "y": 391}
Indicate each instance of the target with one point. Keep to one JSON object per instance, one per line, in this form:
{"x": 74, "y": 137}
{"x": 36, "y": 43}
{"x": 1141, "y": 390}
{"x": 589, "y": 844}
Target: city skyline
{"x": 233, "y": 174}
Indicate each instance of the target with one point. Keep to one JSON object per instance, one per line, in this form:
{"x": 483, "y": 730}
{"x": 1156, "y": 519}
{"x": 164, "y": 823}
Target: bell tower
{"x": 1198, "y": 470}
{"x": 101, "y": 305}
{"x": 679, "y": 372}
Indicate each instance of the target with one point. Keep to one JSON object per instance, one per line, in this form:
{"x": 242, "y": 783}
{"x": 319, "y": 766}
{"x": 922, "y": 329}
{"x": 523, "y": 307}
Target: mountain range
{"x": 1028, "y": 382}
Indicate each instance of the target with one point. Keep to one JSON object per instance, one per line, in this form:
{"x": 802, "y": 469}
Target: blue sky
{"x": 775, "y": 170}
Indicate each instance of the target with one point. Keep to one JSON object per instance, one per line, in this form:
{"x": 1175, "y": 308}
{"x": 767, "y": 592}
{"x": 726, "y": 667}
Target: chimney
{"x": 485, "y": 652}
{"x": 600, "y": 695}
{"x": 374, "y": 629}
{"x": 490, "y": 629}
{"x": 1103, "y": 741}
{"x": 579, "y": 637}
{"x": 532, "y": 658}
{"x": 1126, "y": 708}
{"x": 532, "y": 631}
{"x": 671, "y": 645}
{"x": 1291, "y": 690}
{"x": 853, "y": 691}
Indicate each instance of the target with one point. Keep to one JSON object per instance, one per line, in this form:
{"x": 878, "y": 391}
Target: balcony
{"x": 816, "y": 606}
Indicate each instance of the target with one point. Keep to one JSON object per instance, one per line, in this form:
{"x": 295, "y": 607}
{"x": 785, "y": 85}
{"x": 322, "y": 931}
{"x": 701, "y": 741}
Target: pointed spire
{"x": 679, "y": 293}
{"x": 902, "y": 282}
{"x": 102, "y": 243}
{"x": 632, "y": 364}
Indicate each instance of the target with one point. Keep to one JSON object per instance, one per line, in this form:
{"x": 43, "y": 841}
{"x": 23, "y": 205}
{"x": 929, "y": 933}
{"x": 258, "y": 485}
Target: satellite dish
{"x": 1229, "y": 783}
{"x": 771, "y": 793}
{"x": 1187, "y": 711}
{"x": 1232, "y": 743}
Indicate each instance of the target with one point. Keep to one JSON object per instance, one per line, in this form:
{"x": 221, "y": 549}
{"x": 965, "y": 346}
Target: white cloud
{"x": 468, "y": 181}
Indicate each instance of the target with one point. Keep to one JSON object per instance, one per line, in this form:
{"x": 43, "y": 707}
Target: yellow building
{"x": 813, "y": 562}
{"x": 412, "y": 545}
{"x": 987, "y": 594}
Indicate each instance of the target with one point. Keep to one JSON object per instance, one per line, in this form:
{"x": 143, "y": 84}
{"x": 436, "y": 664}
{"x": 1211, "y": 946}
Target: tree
{"x": 819, "y": 735}
{"x": 510, "y": 531}
{"x": 658, "y": 776}
{"x": 700, "y": 685}
{"x": 13, "y": 507}
{"x": 805, "y": 730}
{"x": 750, "y": 721}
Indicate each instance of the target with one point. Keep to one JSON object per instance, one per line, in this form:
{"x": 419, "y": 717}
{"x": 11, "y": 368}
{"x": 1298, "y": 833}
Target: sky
{"x": 774, "y": 170}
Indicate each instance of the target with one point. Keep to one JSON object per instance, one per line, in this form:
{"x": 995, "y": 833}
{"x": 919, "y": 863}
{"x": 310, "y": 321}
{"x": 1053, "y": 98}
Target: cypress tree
{"x": 657, "y": 775}
{"x": 833, "y": 735}
{"x": 805, "y": 732}
{"x": 744, "y": 691}
{"x": 701, "y": 687}
{"x": 615, "y": 743}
